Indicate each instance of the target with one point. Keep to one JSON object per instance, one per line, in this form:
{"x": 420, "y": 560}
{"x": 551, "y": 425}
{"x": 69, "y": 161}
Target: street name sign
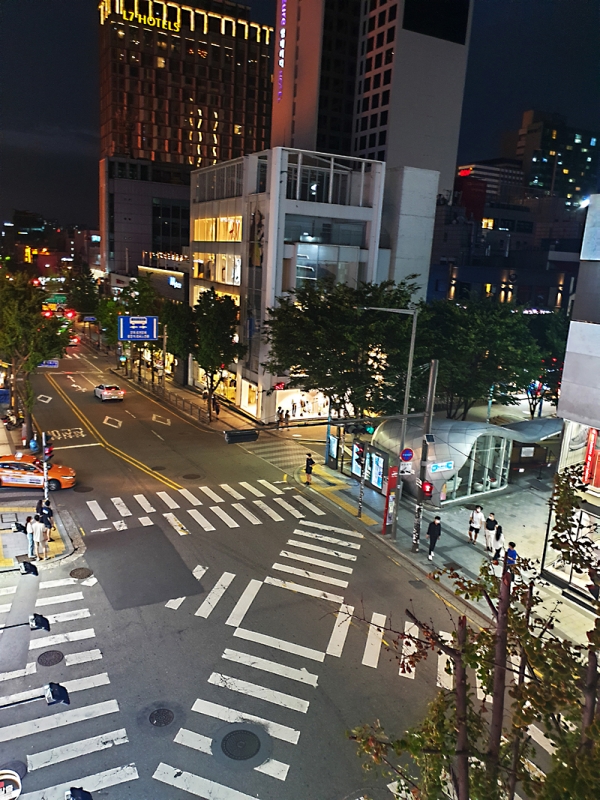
{"x": 53, "y": 363}
{"x": 443, "y": 466}
{"x": 138, "y": 329}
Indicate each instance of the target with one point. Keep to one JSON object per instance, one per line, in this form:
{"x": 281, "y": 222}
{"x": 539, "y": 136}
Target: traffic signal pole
{"x": 45, "y": 465}
{"x": 428, "y": 421}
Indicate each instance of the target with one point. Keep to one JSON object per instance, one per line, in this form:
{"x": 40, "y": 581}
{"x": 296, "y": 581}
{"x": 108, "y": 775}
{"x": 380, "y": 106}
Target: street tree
{"x": 324, "y": 337}
{"x": 468, "y": 748}
{"x": 82, "y": 291}
{"x": 215, "y": 340}
{"x": 550, "y": 332}
{"x": 107, "y": 314}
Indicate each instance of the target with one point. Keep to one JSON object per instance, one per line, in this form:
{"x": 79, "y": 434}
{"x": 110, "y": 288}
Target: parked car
{"x": 108, "y": 391}
{"x": 29, "y": 471}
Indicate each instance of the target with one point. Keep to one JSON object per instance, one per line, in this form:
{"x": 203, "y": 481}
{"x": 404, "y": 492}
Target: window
{"x": 382, "y": 137}
{"x": 393, "y": 13}
{"x": 363, "y": 123}
{"x": 554, "y": 134}
{"x": 383, "y": 118}
{"x": 367, "y": 84}
{"x": 237, "y": 129}
{"x": 378, "y": 60}
{"x": 160, "y": 62}
{"x": 385, "y": 99}
{"x": 391, "y": 34}
{"x": 487, "y": 223}
{"x": 370, "y": 43}
{"x": 372, "y": 139}
{"x": 380, "y": 39}
{"x": 377, "y": 80}
{"x": 363, "y": 142}
{"x": 380, "y": 19}
{"x": 593, "y": 141}
{"x": 381, "y": 155}
{"x": 389, "y": 56}
{"x": 205, "y": 229}
{"x": 373, "y": 122}
{"x": 375, "y": 101}
{"x": 387, "y": 77}
{"x": 365, "y": 104}
{"x": 368, "y": 64}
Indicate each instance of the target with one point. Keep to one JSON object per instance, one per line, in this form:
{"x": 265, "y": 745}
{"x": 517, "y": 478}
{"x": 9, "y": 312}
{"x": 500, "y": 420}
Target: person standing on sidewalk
{"x": 511, "y": 555}
{"x": 309, "y": 468}
{"x": 476, "y": 520}
{"x": 286, "y": 419}
{"x": 217, "y": 409}
{"x": 30, "y": 542}
{"x": 434, "y": 531}
{"x": 490, "y": 526}
{"x": 39, "y": 537}
{"x": 47, "y": 517}
{"x": 498, "y": 543}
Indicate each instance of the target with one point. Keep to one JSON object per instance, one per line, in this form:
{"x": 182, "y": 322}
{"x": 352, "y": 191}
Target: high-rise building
{"x": 503, "y": 178}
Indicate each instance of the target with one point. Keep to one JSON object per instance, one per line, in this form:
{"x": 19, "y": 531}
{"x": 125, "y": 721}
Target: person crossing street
{"x": 434, "y": 531}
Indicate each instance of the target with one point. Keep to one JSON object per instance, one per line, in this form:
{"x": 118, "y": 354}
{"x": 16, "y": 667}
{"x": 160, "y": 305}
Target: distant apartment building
{"x": 503, "y": 177}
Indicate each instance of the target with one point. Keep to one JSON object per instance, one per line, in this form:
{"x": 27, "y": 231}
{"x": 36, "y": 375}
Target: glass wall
{"x": 587, "y": 526}
{"x": 324, "y": 230}
{"x": 486, "y": 469}
{"x": 314, "y": 262}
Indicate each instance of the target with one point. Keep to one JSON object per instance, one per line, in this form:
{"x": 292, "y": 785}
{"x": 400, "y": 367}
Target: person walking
{"x": 39, "y": 537}
{"x": 434, "y": 531}
{"x": 309, "y": 468}
{"x": 498, "y": 543}
{"x": 30, "y": 542}
{"x": 286, "y": 419}
{"x": 217, "y": 409}
{"x": 47, "y": 517}
{"x": 511, "y": 555}
{"x": 476, "y": 520}
{"x": 490, "y": 526}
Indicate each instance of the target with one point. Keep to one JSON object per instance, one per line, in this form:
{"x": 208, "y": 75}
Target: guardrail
{"x": 187, "y": 406}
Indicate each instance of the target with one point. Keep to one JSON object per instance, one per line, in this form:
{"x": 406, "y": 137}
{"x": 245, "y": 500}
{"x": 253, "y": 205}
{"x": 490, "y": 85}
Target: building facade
{"x": 503, "y": 178}
{"x": 256, "y": 236}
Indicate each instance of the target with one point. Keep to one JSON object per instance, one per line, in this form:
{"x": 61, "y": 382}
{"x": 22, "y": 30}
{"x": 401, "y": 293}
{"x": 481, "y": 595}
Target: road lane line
{"x": 322, "y": 527}
{"x": 267, "y": 485}
{"x": 213, "y": 495}
{"x": 83, "y": 657}
{"x": 76, "y": 749}
{"x": 59, "y": 720}
{"x": 145, "y": 503}
{"x": 444, "y": 680}
{"x": 307, "y": 504}
{"x": 145, "y": 522}
{"x": 409, "y": 648}
{"x": 229, "y": 521}
{"x": 288, "y": 507}
{"x": 194, "y": 784}
{"x": 77, "y": 446}
{"x": 215, "y": 594}
{"x": 226, "y": 714}
{"x": 233, "y": 492}
{"x": 317, "y": 562}
{"x": 243, "y": 604}
{"x": 252, "y": 489}
{"x": 59, "y": 598}
{"x": 19, "y": 673}
{"x": 61, "y": 638}
{"x": 300, "y": 588}
{"x": 191, "y": 498}
{"x": 268, "y": 511}
{"x": 320, "y": 537}
{"x": 92, "y": 783}
{"x": 299, "y": 675}
{"x": 176, "y": 524}
{"x": 120, "y": 506}
{"x": 279, "y": 644}
{"x": 202, "y": 521}
{"x": 94, "y": 507}
{"x": 246, "y": 513}
{"x": 313, "y": 576}
{"x": 168, "y": 500}
{"x": 374, "y": 638}
{"x": 259, "y": 692}
{"x": 175, "y": 603}
{"x": 325, "y": 550}
{"x": 337, "y": 640}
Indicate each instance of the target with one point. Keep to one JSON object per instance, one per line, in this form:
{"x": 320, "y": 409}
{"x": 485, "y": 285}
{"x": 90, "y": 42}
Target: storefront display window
{"x": 486, "y": 468}
{"x": 587, "y": 526}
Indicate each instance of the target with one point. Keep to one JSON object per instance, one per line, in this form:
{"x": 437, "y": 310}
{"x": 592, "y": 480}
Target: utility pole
{"x": 429, "y": 408}
{"x": 363, "y": 473}
{"x": 164, "y": 372}
{"x": 45, "y": 465}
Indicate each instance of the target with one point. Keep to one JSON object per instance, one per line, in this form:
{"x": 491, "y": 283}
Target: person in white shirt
{"x": 476, "y": 520}
{"x": 40, "y": 538}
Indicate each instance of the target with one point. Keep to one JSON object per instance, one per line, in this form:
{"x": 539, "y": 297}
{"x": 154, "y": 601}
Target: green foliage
{"x": 179, "y": 319}
{"x": 107, "y": 315}
{"x": 82, "y": 292}
{"x": 140, "y": 298}
{"x": 550, "y": 332}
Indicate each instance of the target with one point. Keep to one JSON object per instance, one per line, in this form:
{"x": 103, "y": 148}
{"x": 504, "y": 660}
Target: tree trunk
{"x": 516, "y": 755}
{"x": 462, "y": 735}
{"x": 499, "y": 683}
{"x": 590, "y": 695}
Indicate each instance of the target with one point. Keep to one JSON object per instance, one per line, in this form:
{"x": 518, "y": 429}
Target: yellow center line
{"x": 109, "y": 447}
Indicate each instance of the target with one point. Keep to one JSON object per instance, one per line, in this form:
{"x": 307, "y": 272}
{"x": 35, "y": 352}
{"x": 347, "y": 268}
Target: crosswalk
{"x": 211, "y": 507}
{"x": 88, "y": 729}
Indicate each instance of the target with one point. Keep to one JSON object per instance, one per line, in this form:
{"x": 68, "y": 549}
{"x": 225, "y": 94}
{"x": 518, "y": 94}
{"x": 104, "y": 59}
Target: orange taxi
{"x": 28, "y": 470}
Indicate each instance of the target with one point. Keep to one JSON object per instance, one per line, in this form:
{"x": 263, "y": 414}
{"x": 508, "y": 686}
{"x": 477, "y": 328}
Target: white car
{"x": 109, "y": 391}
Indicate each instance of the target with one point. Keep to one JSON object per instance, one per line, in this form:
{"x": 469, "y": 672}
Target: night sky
{"x": 542, "y": 54}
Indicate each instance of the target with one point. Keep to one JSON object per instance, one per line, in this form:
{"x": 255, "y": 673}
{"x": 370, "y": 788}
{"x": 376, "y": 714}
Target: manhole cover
{"x": 83, "y": 489}
{"x": 15, "y": 766}
{"x": 240, "y": 745}
{"x": 50, "y": 658}
{"x": 191, "y": 476}
{"x": 161, "y": 717}
{"x": 158, "y": 469}
{"x": 81, "y": 573}
{"x": 417, "y": 584}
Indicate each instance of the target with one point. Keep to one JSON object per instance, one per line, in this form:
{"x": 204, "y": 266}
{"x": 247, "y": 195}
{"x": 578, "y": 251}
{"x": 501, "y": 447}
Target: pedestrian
{"x": 434, "y": 531}
{"x": 286, "y": 419}
{"x": 294, "y": 408}
{"x": 498, "y": 543}
{"x": 39, "y": 506}
{"x": 39, "y": 537}
{"x": 490, "y": 526}
{"x": 279, "y": 418}
{"x": 309, "y": 468}
{"x": 30, "y": 542}
{"x": 47, "y": 517}
{"x": 217, "y": 409}
{"x": 214, "y": 402}
{"x": 511, "y": 555}
{"x": 476, "y": 520}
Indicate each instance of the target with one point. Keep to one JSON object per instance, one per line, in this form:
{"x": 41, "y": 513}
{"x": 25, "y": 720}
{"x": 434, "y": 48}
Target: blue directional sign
{"x": 444, "y": 466}
{"x": 138, "y": 329}
{"x": 89, "y": 319}
{"x": 52, "y": 363}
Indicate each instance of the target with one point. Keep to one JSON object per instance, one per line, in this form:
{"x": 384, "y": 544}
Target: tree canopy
{"x": 82, "y": 291}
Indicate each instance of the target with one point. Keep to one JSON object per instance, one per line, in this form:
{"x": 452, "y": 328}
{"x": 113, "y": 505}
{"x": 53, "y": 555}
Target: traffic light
{"x": 360, "y": 454}
{"x": 427, "y": 489}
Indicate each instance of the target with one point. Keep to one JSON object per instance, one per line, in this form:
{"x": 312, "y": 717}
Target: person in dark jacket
{"x": 433, "y": 534}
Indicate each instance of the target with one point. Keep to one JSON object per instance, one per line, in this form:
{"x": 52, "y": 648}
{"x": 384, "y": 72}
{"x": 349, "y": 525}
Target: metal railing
{"x": 187, "y": 406}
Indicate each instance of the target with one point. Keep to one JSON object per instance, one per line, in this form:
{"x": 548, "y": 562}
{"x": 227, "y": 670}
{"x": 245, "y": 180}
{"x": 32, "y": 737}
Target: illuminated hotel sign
{"x": 281, "y": 54}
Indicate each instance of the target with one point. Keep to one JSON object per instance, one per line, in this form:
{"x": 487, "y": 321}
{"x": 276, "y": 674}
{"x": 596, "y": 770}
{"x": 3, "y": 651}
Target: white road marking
{"x": 215, "y": 594}
{"x": 61, "y": 638}
{"x": 280, "y": 644}
{"x": 322, "y": 527}
{"x": 313, "y": 576}
{"x": 190, "y": 497}
{"x": 213, "y": 495}
{"x": 120, "y": 506}
{"x": 229, "y": 521}
{"x": 168, "y": 500}
{"x": 76, "y": 749}
{"x": 374, "y": 638}
{"x": 91, "y": 581}
{"x": 268, "y": 511}
{"x": 112, "y": 422}
{"x": 307, "y": 504}
{"x": 92, "y": 783}
{"x": 300, "y": 675}
{"x": 176, "y": 524}
{"x": 267, "y": 485}
{"x": 158, "y": 436}
{"x": 100, "y": 530}
{"x": 288, "y": 507}
{"x": 11, "y": 589}
{"x": 76, "y": 446}
{"x": 198, "y": 572}
{"x": 19, "y": 673}
{"x": 243, "y": 604}
{"x": 68, "y": 616}
{"x": 145, "y": 503}
{"x": 337, "y": 640}
{"x": 325, "y": 550}
{"x": 5, "y": 608}
{"x": 145, "y": 522}
{"x": 316, "y": 562}
{"x": 259, "y": 692}
{"x": 246, "y": 513}
{"x": 252, "y": 489}
{"x": 226, "y": 714}
{"x": 194, "y": 784}
{"x": 302, "y": 589}
{"x": 274, "y": 768}
{"x": 59, "y": 598}
{"x": 94, "y": 507}
{"x": 444, "y": 680}
{"x": 161, "y": 420}
{"x": 175, "y": 603}
{"x": 320, "y": 537}
{"x": 233, "y": 492}
{"x": 82, "y": 657}
{"x": 44, "y": 398}
{"x": 60, "y": 582}
{"x": 408, "y": 649}
{"x": 130, "y": 414}
{"x": 202, "y": 521}
{"x": 120, "y": 525}
{"x": 59, "y": 720}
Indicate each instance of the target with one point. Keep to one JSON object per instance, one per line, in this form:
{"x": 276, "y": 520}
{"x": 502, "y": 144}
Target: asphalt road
{"x": 216, "y": 584}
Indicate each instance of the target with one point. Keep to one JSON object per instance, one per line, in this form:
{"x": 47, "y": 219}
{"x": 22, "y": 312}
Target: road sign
{"x": 89, "y": 319}
{"x": 138, "y": 329}
{"x": 406, "y": 469}
{"x": 407, "y": 454}
{"x": 52, "y": 363}
{"x": 443, "y": 466}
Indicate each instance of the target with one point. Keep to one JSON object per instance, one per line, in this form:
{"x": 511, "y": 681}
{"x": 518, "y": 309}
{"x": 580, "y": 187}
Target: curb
{"x": 67, "y": 540}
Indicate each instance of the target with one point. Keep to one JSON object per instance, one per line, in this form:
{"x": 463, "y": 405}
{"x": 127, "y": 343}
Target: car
{"x": 26, "y": 470}
{"x": 109, "y": 391}
{"x": 73, "y": 340}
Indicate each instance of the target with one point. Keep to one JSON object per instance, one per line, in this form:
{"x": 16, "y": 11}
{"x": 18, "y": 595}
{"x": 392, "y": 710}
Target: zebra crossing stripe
{"x": 259, "y": 692}
{"x": 307, "y": 504}
{"x": 322, "y": 527}
{"x": 92, "y": 783}
{"x": 59, "y": 720}
{"x": 316, "y": 562}
{"x": 19, "y": 673}
{"x": 313, "y": 576}
{"x": 191, "y": 498}
{"x": 337, "y": 640}
{"x": 9, "y": 590}
{"x": 444, "y": 680}
{"x": 61, "y": 638}
{"x": 94, "y": 507}
{"x": 229, "y": 521}
{"x": 213, "y": 495}
{"x": 176, "y": 524}
{"x": 215, "y": 594}
{"x": 302, "y": 589}
{"x": 233, "y": 492}
{"x": 274, "y": 768}
{"x": 374, "y": 638}
{"x": 120, "y": 506}
{"x": 408, "y": 649}
{"x": 194, "y": 784}
{"x": 202, "y": 521}
{"x": 5, "y": 608}
{"x": 60, "y": 598}
{"x": 320, "y": 537}
{"x": 198, "y": 572}
{"x": 267, "y": 485}
{"x": 248, "y": 514}
{"x": 175, "y": 603}
{"x": 243, "y": 604}
{"x": 68, "y": 616}
{"x": 145, "y": 504}
{"x": 168, "y": 500}
{"x": 226, "y": 714}
{"x": 76, "y": 749}
{"x": 325, "y": 550}
{"x": 279, "y": 644}
{"x": 263, "y": 664}
{"x": 83, "y": 657}
{"x": 268, "y": 511}
{"x": 252, "y": 489}
{"x": 145, "y": 522}
{"x": 284, "y": 504}
{"x": 120, "y": 525}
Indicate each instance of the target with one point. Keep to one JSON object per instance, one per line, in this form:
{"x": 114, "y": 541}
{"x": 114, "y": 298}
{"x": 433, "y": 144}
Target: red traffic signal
{"x": 427, "y": 488}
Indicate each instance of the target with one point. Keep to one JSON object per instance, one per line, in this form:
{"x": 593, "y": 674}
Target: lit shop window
{"x": 219, "y": 229}
{"x": 237, "y": 129}
{"x": 487, "y": 222}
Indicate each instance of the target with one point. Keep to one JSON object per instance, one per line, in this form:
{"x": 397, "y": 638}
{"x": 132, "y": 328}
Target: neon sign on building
{"x": 281, "y": 53}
